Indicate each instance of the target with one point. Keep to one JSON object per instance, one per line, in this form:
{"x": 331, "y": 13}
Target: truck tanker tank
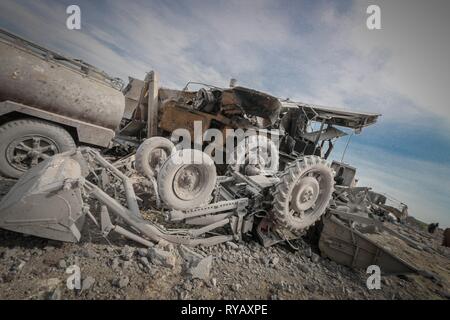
{"x": 37, "y": 77}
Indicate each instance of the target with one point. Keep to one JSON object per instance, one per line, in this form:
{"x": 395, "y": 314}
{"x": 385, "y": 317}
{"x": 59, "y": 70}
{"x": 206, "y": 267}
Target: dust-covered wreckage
{"x": 61, "y": 119}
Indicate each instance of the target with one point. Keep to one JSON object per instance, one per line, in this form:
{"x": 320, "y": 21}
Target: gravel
{"x": 35, "y": 268}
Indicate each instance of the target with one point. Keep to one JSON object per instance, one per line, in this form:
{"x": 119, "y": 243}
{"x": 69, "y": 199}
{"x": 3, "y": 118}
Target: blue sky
{"x": 312, "y": 51}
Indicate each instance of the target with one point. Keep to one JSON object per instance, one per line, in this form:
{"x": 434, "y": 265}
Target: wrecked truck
{"x": 276, "y": 205}
{"x": 198, "y": 205}
{"x": 53, "y": 199}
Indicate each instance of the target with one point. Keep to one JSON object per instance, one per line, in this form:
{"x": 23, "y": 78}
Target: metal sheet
{"x": 253, "y": 102}
{"x": 43, "y": 203}
{"x": 350, "y": 247}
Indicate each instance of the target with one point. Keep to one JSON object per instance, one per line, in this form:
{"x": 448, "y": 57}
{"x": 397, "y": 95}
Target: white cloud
{"x": 415, "y": 33}
{"x": 402, "y": 70}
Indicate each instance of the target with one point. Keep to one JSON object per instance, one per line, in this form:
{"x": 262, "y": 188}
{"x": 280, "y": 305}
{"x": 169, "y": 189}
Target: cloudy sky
{"x": 312, "y": 51}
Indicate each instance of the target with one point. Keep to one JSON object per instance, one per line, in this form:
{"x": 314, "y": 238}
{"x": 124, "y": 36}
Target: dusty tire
{"x": 301, "y": 197}
{"x": 187, "y": 179}
{"x": 148, "y": 161}
{"x": 26, "y": 142}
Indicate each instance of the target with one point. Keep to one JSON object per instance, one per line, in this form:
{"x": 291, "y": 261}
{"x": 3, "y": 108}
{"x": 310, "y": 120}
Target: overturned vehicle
{"x": 209, "y": 183}
{"x": 277, "y": 184}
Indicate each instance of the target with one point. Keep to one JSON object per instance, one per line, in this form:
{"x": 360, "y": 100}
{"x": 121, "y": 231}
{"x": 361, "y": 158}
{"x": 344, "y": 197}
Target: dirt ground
{"x": 114, "y": 268}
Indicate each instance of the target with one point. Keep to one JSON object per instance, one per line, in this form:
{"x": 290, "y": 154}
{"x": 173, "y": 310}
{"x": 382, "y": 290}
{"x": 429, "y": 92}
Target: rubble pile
{"x": 115, "y": 268}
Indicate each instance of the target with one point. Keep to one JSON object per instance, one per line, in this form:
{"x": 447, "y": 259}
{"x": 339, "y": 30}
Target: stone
{"x": 197, "y": 266}
{"x": 49, "y": 248}
{"x": 232, "y": 245}
{"x": 308, "y": 252}
{"x": 189, "y": 254}
{"x": 115, "y": 263}
{"x": 62, "y": 264}
{"x": 144, "y": 261}
{"x": 127, "y": 253}
{"x": 264, "y": 260}
{"x": 17, "y": 266}
{"x": 236, "y": 287}
{"x": 146, "y": 265}
{"x": 187, "y": 285}
{"x": 122, "y": 282}
{"x": 161, "y": 257}
{"x": 311, "y": 287}
{"x": 87, "y": 283}
{"x": 201, "y": 269}
{"x": 89, "y": 253}
{"x": 142, "y": 252}
{"x": 56, "y": 294}
{"x": 274, "y": 261}
{"x": 109, "y": 249}
{"x": 315, "y": 258}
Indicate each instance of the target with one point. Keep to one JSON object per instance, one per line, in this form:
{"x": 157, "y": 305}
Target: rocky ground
{"x": 114, "y": 268}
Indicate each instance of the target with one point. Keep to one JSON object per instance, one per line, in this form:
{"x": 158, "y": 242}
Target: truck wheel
{"x": 303, "y": 193}
{"x": 26, "y": 142}
{"x": 151, "y": 155}
{"x": 187, "y": 179}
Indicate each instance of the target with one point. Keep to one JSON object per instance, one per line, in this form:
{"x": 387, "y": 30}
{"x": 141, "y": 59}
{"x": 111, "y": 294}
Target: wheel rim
{"x": 188, "y": 182}
{"x": 308, "y": 194}
{"x": 305, "y": 194}
{"x": 26, "y": 152}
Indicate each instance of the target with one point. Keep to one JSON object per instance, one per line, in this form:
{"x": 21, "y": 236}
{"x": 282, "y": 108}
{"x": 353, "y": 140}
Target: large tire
{"x": 27, "y": 142}
{"x": 148, "y": 162}
{"x": 187, "y": 179}
{"x": 301, "y": 197}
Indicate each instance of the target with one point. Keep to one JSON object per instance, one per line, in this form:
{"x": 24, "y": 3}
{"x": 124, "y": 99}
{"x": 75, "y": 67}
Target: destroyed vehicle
{"x": 277, "y": 205}
{"x": 294, "y": 184}
{"x": 53, "y": 199}
{"x": 365, "y": 202}
{"x": 69, "y": 103}
{"x": 277, "y": 198}
{"x": 278, "y": 131}
{"x": 250, "y": 196}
